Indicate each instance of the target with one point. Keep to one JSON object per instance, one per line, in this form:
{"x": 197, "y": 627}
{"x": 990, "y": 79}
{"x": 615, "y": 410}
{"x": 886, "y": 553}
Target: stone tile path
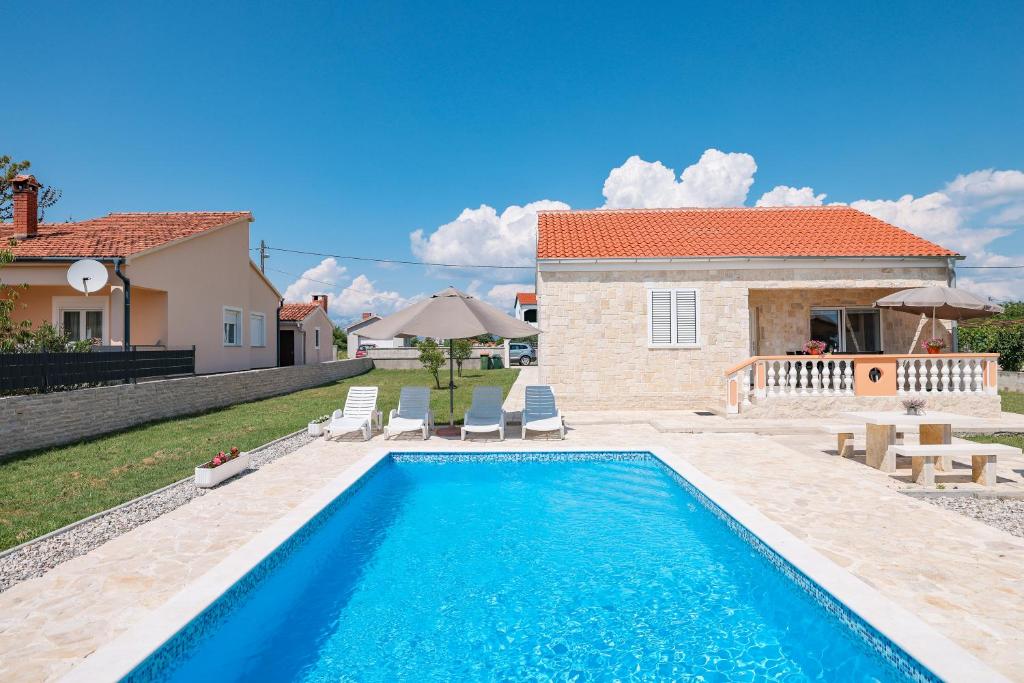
{"x": 957, "y": 574}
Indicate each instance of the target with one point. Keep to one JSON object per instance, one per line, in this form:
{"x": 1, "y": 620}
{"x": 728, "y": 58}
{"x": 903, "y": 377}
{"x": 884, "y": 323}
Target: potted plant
{"x": 815, "y": 347}
{"x": 316, "y": 427}
{"x": 934, "y": 345}
{"x": 914, "y": 406}
{"x": 222, "y": 466}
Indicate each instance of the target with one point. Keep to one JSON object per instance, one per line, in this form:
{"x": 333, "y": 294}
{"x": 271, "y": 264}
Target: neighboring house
{"x": 526, "y": 307}
{"x": 651, "y": 308}
{"x": 188, "y": 274}
{"x": 306, "y": 333}
{"x": 354, "y": 340}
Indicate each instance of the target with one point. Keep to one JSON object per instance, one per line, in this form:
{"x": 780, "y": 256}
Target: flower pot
{"x": 934, "y": 350}
{"x": 315, "y": 428}
{"x": 207, "y": 476}
{"x": 815, "y": 352}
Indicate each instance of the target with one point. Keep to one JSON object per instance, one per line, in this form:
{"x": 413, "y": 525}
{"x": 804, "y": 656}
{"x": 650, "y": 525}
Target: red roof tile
{"x": 527, "y": 298}
{"x": 117, "y": 234}
{"x": 297, "y": 312}
{"x": 753, "y": 232}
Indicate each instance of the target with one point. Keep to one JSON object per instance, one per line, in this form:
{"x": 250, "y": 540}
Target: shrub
{"x": 432, "y": 358}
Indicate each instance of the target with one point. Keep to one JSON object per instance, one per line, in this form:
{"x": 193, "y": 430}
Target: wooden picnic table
{"x": 881, "y": 427}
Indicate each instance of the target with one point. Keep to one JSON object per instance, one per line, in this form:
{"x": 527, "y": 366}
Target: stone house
{"x": 663, "y": 308}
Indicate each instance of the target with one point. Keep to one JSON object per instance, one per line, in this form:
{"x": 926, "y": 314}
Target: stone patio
{"x": 959, "y": 575}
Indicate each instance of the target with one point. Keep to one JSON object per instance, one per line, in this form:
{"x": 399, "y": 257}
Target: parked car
{"x": 363, "y": 348}
{"x": 521, "y": 353}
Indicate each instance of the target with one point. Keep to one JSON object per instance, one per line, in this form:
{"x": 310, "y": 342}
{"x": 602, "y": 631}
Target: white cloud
{"x": 717, "y": 179}
{"x": 784, "y": 195}
{"x": 504, "y": 296}
{"x": 482, "y": 236}
{"x": 346, "y": 298}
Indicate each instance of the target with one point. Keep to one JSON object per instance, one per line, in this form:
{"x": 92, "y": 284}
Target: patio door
{"x": 847, "y": 330}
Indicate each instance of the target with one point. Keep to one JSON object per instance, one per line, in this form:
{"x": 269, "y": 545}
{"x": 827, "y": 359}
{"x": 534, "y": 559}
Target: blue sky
{"x": 345, "y": 127}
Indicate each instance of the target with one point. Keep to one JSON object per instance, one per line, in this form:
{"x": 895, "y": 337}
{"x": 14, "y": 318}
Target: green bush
{"x": 1002, "y": 334}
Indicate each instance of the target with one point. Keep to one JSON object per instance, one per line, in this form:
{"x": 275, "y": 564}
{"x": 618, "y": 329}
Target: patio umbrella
{"x": 939, "y": 302}
{"x": 449, "y": 314}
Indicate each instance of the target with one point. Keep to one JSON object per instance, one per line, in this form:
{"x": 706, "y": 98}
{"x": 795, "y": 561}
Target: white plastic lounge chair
{"x": 540, "y": 414}
{"x": 358, "y": 416}
{"x": 413, "y": 413}
{"x": 485, "y": 413}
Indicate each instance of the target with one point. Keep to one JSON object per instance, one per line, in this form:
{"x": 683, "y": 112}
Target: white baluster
{"x": 848, "y": 378}
{"x": 837, "y": 380}
{"x": 901, "y": 377}
{"x": 815, "y": 378}
{"x": 912, "y": 375}
{"x": 803, "y": 379}
{"x": 958, "y": 372}
{"x": 792, "y": 379}
{"x": 945, "y": 374}
{"x": 933, "y": 376}
{"x": 979, "y": 377}
{"x": 769, "y": 379}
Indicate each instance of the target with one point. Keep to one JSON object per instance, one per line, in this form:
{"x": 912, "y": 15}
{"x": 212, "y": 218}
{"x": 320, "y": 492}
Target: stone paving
{"x": 957, "y": 574}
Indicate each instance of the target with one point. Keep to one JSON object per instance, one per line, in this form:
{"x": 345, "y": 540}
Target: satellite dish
{"x": 87, "y": 275}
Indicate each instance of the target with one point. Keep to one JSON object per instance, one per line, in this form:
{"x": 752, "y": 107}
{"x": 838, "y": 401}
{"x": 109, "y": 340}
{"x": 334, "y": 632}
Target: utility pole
{"x": 263, "y": 256}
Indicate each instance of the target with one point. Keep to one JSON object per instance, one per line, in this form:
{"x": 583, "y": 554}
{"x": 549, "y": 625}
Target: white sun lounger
{"x": 540, "y": 414}
{"x": 358, "y": 416}
{"x": 413, "y": 413}
{"x": 485, "y": 414}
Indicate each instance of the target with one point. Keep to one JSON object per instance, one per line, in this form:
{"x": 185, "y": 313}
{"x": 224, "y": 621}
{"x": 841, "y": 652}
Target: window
{"x": 257, "y": 329}
{"x": 316, "y": 338}
{"x": 232, "y": 326}
{"x": 673, "y": 318}
{"x": 530, "y": 315}
{"x": 848, "y": 330}
{"x": 79, "y": 324}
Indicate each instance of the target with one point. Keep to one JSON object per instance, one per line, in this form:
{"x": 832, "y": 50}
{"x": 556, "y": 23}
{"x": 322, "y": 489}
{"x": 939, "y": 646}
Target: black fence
{"x": 31, "y": 372}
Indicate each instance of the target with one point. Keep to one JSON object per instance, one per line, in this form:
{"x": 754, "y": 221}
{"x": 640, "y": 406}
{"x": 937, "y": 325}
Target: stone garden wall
{"x": 41, "y": 420}
{"x": 1011, "y": 381}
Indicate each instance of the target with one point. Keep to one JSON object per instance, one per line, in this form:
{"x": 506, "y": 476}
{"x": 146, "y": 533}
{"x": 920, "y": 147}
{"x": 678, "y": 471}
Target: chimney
{"x": 26, "y": 206}
{"x": 367, "y": 316}
{"x": 322, "y": 300}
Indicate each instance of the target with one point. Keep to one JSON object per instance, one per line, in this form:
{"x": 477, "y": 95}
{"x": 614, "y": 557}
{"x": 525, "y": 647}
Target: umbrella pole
{"x": 451, "y": 382}
{"x": 933, "y": 322}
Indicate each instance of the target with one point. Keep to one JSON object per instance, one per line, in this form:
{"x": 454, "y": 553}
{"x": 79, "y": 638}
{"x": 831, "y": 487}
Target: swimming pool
{"x": 585, "y": 566}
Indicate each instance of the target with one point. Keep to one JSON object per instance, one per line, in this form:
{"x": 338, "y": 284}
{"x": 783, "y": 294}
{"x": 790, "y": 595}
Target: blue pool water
{"x": 596, "y": 569}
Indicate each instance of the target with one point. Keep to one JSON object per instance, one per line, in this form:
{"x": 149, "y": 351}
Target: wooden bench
{"x": 851, "y": 438}
{"x": 983, "y": 459}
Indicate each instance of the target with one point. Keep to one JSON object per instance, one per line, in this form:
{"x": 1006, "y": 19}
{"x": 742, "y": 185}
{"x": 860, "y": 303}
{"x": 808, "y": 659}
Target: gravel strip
{"x": 40, "y": 556}
{"x": 1002, "y": 513}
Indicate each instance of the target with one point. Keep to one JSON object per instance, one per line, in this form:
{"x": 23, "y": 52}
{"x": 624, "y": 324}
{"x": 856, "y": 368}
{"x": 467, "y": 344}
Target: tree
{"x": 48, "y": 196}
{"x": 341, "y": 341}
{"x": 432, "y": 358}
{"x": 1002, "y": 334}
{"x": 462, "y": 349}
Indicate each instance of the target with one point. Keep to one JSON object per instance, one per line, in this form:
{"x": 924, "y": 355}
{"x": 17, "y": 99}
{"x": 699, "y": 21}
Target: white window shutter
{"x": 686, "y": 316}
{"x": 661, "y": 316}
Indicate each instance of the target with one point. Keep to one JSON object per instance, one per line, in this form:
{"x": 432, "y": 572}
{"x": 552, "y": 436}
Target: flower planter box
{"x": 207, "y": 476}
{"x": 316, "y": 428}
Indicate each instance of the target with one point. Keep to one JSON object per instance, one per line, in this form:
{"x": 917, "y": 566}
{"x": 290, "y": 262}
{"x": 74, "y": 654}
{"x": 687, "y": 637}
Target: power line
{"x": 322, "y": 282}
{"x": 407, "y": 263}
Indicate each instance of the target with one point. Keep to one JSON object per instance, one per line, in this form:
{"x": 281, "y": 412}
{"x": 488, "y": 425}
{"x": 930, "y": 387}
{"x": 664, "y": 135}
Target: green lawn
{"x": 1013, "y": 402}
{"x": 44, "y": 490}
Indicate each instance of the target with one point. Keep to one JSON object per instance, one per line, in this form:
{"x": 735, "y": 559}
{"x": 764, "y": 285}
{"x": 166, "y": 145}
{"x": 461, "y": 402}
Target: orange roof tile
{"x": 117, "y": 234}
{"x": 743, "y": 232}
{"x": 527, "y": 298}
{"x": 297, "y": 312}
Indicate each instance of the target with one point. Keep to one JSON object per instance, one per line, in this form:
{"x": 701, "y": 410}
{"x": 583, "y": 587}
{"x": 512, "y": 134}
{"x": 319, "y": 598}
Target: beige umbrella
{"x": 449, "y": 314}
{"x": 939, "y": 302}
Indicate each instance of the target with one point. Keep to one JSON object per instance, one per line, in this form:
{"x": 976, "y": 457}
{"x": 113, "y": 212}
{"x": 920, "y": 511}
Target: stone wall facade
{"x": 593, "y": 342}
{"x": 408, "y": 358}
{"x": 1011, "y": 381}
{"x": 978, "y": 405}
{"x": 42, "y": 420}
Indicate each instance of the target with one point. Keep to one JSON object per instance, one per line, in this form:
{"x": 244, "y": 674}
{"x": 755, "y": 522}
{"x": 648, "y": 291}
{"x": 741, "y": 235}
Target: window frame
{"x": 674, "y": 319}
{"x": 238, "y": 326}
{"x": 253, "y": 315}
{"x": 83, "y": 305}
{"x": 316, "y": 338}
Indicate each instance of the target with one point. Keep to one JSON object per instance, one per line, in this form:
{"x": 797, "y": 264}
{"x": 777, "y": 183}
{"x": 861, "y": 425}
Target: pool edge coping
{"x": 936, "y": 652}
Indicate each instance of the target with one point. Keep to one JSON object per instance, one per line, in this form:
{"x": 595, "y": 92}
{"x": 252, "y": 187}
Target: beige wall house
{"x": 188, "y": 274}
{"x": 692, "y": 308}
{"x": 355, "y": 340}
{"x": 306, "y": 333}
